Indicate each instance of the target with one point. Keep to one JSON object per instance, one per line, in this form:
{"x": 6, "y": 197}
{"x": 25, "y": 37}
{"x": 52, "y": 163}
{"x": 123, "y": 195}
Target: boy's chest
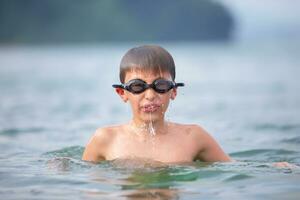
{"x": 165, "y": 150}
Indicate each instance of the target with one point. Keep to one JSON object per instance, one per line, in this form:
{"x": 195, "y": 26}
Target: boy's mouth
{"x": 150, "y": 108}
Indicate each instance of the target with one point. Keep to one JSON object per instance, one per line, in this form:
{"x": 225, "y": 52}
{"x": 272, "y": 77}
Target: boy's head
{"x": 148, "y": 58}
{"x": 143, "y": 68}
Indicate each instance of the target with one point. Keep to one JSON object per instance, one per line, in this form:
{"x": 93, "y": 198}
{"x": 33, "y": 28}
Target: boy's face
{"x": 149, "y": 105}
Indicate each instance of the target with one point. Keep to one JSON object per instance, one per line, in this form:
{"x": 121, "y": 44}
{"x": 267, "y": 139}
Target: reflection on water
{"x": 152, "y": 194}
{"x": 146, "y": 179}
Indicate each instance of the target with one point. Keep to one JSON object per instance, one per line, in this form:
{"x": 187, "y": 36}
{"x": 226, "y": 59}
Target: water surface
{"x": 53, "y": 98}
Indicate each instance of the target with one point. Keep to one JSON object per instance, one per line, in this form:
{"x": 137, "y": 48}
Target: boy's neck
{"x": 149, "y": 128}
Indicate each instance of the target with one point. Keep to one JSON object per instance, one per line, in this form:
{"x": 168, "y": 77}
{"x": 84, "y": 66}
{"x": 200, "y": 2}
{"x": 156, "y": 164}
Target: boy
{"x": 147, "y": 74}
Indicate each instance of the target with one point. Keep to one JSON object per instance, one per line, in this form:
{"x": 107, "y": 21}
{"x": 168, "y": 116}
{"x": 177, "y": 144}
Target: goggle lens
{"x": 136, "y": 86}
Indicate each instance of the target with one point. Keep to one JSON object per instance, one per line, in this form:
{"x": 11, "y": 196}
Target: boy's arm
{"x": 210, "y": 150}
{"x": 94, "y": 150}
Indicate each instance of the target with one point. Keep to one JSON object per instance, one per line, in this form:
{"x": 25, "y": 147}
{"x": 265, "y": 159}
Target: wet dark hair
{"x": 149, "y": 58}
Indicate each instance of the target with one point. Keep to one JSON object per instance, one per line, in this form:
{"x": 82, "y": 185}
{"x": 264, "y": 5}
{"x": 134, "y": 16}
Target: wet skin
{"x": 148, "y": 135}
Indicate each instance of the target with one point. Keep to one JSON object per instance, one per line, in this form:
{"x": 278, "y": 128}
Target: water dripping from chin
{"x": 151, "y": 128}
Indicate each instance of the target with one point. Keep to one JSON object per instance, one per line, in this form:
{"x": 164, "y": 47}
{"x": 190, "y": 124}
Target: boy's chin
{"x": 151, "y": 117}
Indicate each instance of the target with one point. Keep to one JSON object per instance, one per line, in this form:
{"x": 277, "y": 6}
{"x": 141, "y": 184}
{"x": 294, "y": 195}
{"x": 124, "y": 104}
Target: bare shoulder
{"x": 209, "y": 150}
{"x": 207, "y": 147}
{"x": 200, "y": 131}
{"x": 200, "y": 134}
{"x": 104, "y": 134}
{"x": 191, "y": 129}
{"x": 99, "y": 143}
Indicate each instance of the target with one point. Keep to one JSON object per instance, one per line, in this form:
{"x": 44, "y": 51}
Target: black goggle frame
{"x": 155, "y": 85}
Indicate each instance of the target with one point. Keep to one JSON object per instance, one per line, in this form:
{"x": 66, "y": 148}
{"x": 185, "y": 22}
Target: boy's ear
{"x": 174, "y": 93}
{"x": 122, "y": 94}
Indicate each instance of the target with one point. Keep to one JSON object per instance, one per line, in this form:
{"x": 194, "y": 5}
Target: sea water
{"x": 53, "y": 98}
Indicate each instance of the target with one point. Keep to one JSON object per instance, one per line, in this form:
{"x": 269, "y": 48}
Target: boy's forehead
{"x": 146, "y": 74}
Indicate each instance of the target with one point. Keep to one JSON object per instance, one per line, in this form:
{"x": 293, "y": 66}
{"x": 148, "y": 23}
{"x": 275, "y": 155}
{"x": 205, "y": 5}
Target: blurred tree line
{"x": 59, "y": 21}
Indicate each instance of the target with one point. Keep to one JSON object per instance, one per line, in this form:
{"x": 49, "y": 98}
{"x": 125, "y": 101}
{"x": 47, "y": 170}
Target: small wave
{"x": 265, "y": 155}
{"x": 279, "y": 127}
{"x": 16, "y": 131}
{"x": 74, "y": 152}
{"x": 238, "y": 177}
{"x": 293, "y": 140}
{"x": 256, "y": 152}
{"x": 65, "y": 164}
{"x": 66, "y": 159}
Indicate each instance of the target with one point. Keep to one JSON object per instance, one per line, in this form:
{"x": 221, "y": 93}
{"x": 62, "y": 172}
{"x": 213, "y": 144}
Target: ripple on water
{"x": 238, "y": 177}
{"x": 132, "y": 174}
{"x": 66, "y": 159}
{"x": 169, "y": 176}
{"x": 266, "y": 155}
{"x": 71, "y": 152}
{"x": 16, "y": 131}
{"x": 255, "y": 152}
{"x": 293, "y": 140}
{"x": 276, "y": 127}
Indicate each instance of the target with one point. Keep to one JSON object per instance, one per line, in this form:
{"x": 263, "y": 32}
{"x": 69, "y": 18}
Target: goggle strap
{"x": 118, "y": 86}
{"x": 179, "y": 84}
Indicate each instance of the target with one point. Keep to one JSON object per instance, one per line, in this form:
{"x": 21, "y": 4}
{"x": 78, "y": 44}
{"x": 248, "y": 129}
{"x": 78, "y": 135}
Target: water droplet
{"x": 151, "y": 129}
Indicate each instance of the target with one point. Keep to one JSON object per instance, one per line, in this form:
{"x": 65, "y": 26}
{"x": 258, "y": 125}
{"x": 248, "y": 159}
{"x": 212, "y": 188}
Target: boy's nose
{"x": 150, "y": 94}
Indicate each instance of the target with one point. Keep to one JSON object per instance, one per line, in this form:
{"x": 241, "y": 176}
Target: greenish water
{"x": 53, "y": 99}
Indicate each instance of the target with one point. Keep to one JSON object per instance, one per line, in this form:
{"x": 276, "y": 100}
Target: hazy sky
{"x": 266, "y": 19}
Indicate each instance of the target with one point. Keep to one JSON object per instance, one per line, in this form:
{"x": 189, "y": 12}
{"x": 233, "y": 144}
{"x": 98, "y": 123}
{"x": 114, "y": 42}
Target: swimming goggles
{"x": 137, "y": 86}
